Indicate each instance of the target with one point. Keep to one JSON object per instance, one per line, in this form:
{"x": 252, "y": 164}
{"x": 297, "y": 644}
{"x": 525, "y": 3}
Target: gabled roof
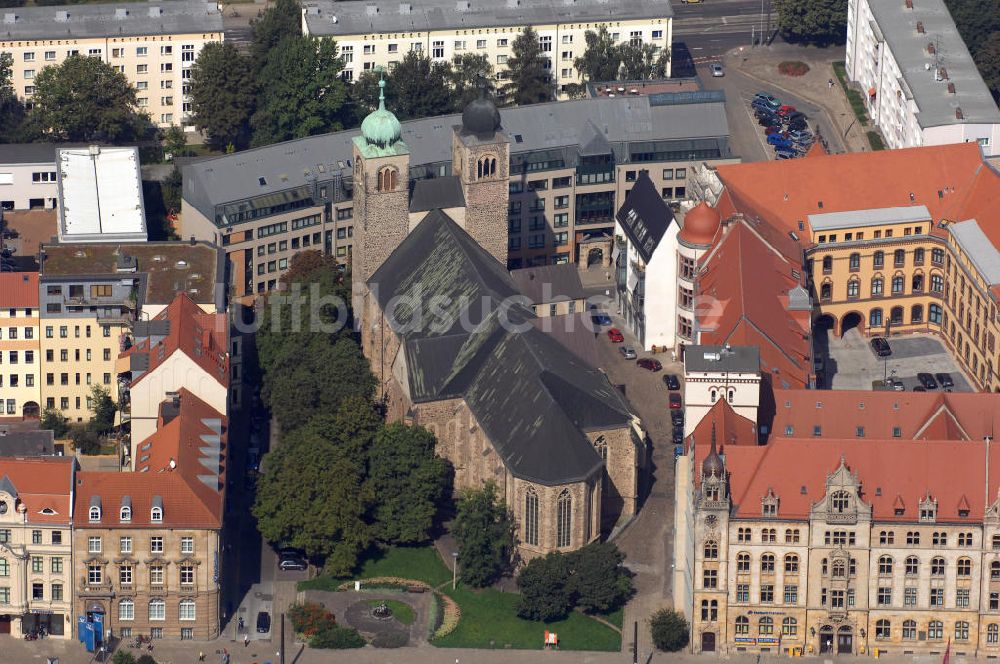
{"x": 20, "y": 289}
{"x": 437, "y": 193}
{"x": 545, "y": 284}
{"x": 593, "y": 142}
{"x": 644, "y": 216}
{"x": 731, "y": 428}
{"x": 199, "y": 335}
{"x": 44, "y": 485}
{"x": 534, "y": 398}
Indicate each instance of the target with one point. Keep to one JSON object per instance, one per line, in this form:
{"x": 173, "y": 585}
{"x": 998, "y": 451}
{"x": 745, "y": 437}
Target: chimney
{"x": 920, "y": 27}
{"x": 951, "y": 88}
{"x": 909, "y": 4}
{"x": 943, "y": 73}
{"x": 959, "y": 115}
{"x": 371, "y": 10}
{"x": 206, "y": 339}
{"x": 62, "y": 16}
{"x": 931, "y": 48}
{"x": 121, "y": 13}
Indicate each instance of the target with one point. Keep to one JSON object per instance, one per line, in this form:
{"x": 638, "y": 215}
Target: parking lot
{"x": 851, "y": 365}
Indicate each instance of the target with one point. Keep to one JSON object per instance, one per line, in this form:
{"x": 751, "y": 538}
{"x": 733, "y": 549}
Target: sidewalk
{"x": 761, "y": 64}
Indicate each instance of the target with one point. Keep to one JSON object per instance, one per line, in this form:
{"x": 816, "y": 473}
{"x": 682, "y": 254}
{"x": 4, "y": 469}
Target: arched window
{"x": 186, "y": 609}
{"x": 713, "y": 394}
{"x": 885, "y": 565}
{"x": 731, "y": 394}
{"x": 156, "y": 514}
{"x": 711, "y": 549}
{"x": 531, "y": 517}
{"x": 388, "y": 178}
{"x": 917, "y": 283}
{"x": 992, "y": 633}
{"x": 126, "y": 513}
{"x": 791, "y": 564}
{"x": 937, "y": 566}
{"x": 964, "y": 567}
{"x": 961, "y": 630}
{"x": 765, "y": 626}
{"x": 934, "y": 314}
{"x": 898, "y": 284}
{"x": 839, "y": 569}
{"x": 855, "y": 261}
{"x": 909, "y": 629}
{"x": 878, "y": 260}
{"x": 840, "y": 501}
{"x": 789, "y": 627}
{"x": 917, "y": 313}
{"x": 157, "y": 609}
{"x": 742, "y": 562}
{"x": 935, "y": 630}
{"x": 564, "y": 513}
{"x": 853, "y": 288}
{"x": 826, "y": 291}
{"x": 878, "y": 286}
{"x": 912, "y": 565}
{"x": 827, "y": 264}
{"x": 882, "y": 629}
{"x": 767, "y": 563}
{"x": 743, "y": 625}
{"x": 95, "y": 514}
{"x": 875, "y": 318}
{"x": 487, "y": 167}
{"x": 896, "y": 316}
{"x": 937, "y": 283}
{"x": 126, "y": 610}
{"x": 899, "y": 258}
{"x": 918, "y": 256}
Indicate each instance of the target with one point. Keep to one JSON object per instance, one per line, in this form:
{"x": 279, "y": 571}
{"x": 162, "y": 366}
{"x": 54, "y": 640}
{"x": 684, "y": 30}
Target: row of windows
{"x": 50, "y": 355}
{"x": 37, "y": 565}
{"x": 937, "y": 538}
{"x": 36, "y": 536}
{"x": 564, "y": 523}
{"x": 155, "y": 515}
{"x": 37, "y": 593}
{"x": 877, "y": 235}
{"x": 187, "y": 51}
{"x": 50, "y": 379}
{"x": 64, "y": 331}
{"x": 157, "y": 609}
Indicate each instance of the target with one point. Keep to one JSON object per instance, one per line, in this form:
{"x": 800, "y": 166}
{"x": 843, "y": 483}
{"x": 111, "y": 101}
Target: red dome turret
{"x": 700, "y": 225}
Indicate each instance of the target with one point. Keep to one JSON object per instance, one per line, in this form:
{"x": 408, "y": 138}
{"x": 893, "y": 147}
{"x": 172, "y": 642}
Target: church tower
{"x": 481, "y": 160}
{"x": 381, "y": 190}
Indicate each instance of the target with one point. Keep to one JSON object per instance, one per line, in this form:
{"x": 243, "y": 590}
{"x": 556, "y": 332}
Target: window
{"x": 388, "y": 179}
{"x": 187, "y": 545}
{"x": 854, "y": 262}
{"x": 126, "y": 513}
{"x": 937, "y": 596}
{"x": 878, "y": 283}
{"x": 912, "y": 564}
{"x": 791, "y": 594}
{"x": 156, "y": 575}
{"x": 912, "y": 538}
{"x": 709, "y": 609}
{"x": 95, "y": 512}
{"x": 884, "y": 596}
{"x": 56, "y": 564}
{"x": 789, "y": 627}
{"x": 962, "y": 597}
{"x": 767, "y": 594}
{"x": 156, "y": 515}
{"x": 125, "y": 544}
{"x": 743, "y": 625}
{"x": 710, "y": 578}
{"x": 157, "y": 609}
{"x": 992, "y": 633}
{"x": 934, "y": 314}
{"x": 899, "y": 258}
{"x": 878, "y": 260}
{"x": 964, "y": 567}
{"x": 882, "y": 629}
{"x": 186, "y": 609}
{"x": 156, "y": 545}
{"x": 126, "y": 610}
{"x": 875, "y": 318}
{"x": 437, "y": 49}
{"x": 187, "y": 575}
{"x": 125, "y": 575}
{"x": 937, "y": 566}
{"x": 711, "y": 550}
{"x": 898, "y": 282}
{"x": 564, "y": 511}
{"x": 791, "y": 564}
{"x": 743, "y": 535}
{"x": 853, "y": 288}
{"x": 768, "y": 535}
{"x": 743, "y": 563}
{"x": 961, "y": 631}
{"x": 885, "y": 566}
{"x": 767, "y": 563}
{"x": 57, "y": 537}
{"x": 37, "y": 564}
{"x": 965, "y": 539}
{"x": 910, "y": 597}
{"x": 791, "y": 535}
{"x": 765, "y": 626}
{"x": 93, "y": 545}
{"x": 94, "y": 574}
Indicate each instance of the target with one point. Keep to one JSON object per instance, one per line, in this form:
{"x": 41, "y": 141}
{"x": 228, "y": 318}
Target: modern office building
{"x": 20, "y": 359}
{"x": 919, "y": 81}
{"x": 153, "y": 44}
{"x": 28, "y": 179}
{"x": 378, "y": 34}
{"x": 100, "y": 195}
{"x": 570, "y": 167}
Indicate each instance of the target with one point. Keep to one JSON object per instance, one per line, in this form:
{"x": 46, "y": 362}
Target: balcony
{"x": 89, "y": 589}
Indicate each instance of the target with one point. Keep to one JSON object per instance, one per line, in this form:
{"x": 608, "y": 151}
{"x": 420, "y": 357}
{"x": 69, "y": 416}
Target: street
{"x": 706, "y": 30}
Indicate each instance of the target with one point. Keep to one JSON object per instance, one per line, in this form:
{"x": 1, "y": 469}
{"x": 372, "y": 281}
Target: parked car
{"x": 263, "y": 622}
{"x": 678, "y": 451}
{"x": 677, "y": 436}
{"x": 881, "y": 347}
{"x": 616, "y": 335}
{"x": 944, "y": 380}
{"x": 649, "y": 363}
{"x": 600, "y": 319}
{"x": 677, "y": 418}
{"x": 895, "y": 384}
{"x": 773, "y": 129}
{"x": 768, "y": 100}
{"x": 919, "y": 388}
{"x": 627, "y": 352}
{"x": 762, "y": 110}
{"x": 785, "y": 153}
{"x": 671, "y": 381}
{"x": 794, "y": 115}
{"x": 785, "y": 110}
{"x": 675, "y": 401}
{"x": 927, "y": 380}
{"x": 801, "y": 136}
{"x": 292, "y": 559}
{"x": 796, "y": 125}
{"x": 778, "y": 140}
{"x": 717, "y": 70}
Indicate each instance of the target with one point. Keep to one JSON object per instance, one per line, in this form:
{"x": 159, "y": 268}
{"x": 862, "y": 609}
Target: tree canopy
{"x": 669, "y": 630}
{"x": 11, "y": 110}
{"x": 85, "y": 99}
{"x": 301, "y": 92}
{"x": 601, "y": 59}
{"x": 988, "y": 61}
{"x": 484, "y": 529}
{"x": 545, "y": 589}
{"x": 471, "y": 72}
{"x": 592, "y": 579}
{"x": 281, "y": 19}
{"x": 223, "y": 97}
{"x": 528, "y": 79}
{"x": 818, "y": 22}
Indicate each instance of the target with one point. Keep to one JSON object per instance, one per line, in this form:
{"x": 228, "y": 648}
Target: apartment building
{"x": 90, "y": 295}
{"x": 571, "y": 165}
{"x": 36, "y": 572}
{"x": 20, "y": 359}
{"x": 28, "y": 179}
{"x": 842, "y": 535}
{"x": 153, "y": 44}
{"x": 147, "y": 544}
{"x": 378, "y": 34}
{"x": 918, "y": 79}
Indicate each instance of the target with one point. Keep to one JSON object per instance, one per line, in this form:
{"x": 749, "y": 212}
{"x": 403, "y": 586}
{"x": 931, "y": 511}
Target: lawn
{"x": 616, "y": 618}
{"x": 489, "y": 617}
{"x": 400, "y": 611}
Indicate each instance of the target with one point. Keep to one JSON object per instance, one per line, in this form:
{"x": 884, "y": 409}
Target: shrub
{"x": 123, "y": 657}
{"x": 669, "y": 630}
{"x": 337, "y": 638}
{"x": 793, "y": 68}
{"x": 875, "y": 140}
{"x": 145, "y": 659}
{"x": 310, "y": 618}
{"x": 391, "y": 640}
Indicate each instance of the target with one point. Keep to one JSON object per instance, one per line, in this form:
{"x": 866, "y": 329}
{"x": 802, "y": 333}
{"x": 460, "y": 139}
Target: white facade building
{"x": 917, "y": 76}
{"x": 100, "y": 195}
{"x": 28, "y": 176}
{"x": 716, "y": 373}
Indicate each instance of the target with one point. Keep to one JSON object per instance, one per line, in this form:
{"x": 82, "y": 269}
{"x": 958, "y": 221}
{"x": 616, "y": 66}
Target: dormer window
{"x": 928, "y": 509}
{"x": 769, "y": 504}
{"x": 126, "y": 514}
{"x": 156, "y": 515}
{"x": 95, "y": 514}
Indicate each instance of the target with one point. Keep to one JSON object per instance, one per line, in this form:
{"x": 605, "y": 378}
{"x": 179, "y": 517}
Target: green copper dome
{"x": 381, "y": 128}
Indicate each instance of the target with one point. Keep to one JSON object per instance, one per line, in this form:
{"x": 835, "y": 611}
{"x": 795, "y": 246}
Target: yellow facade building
{"x": 20, "y": 361}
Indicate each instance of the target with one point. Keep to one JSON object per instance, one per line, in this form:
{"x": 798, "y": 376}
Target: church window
{"x": 388, "y": 178}
{"x": 564, "y": 511}
{"x": 531, "y": 517}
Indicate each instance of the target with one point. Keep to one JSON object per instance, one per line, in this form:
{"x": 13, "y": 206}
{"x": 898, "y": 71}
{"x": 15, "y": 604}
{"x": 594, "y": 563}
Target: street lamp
{"x": 454, "y": 569}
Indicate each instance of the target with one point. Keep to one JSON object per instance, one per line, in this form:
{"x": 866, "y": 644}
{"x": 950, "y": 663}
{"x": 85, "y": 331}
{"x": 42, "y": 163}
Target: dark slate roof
{"x": 532, "y": 396}
{"x": 7, "y": 486}
{"x": 563, "y": 283}
{"x": 28, "y": 153}
{"x": 644, "y": 216}
{"x": 437, "y": 193}
{"x": 593, "y": 142}
{"x": 26, "y": 443}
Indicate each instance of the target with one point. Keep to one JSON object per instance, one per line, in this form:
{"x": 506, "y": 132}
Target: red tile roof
{"x": 201, "y": 336}
{"x": 44, "y": 486}
{"x": 743, "y": 291}
{"x": 180, "y": 508}
{"x": 19, "y": 289}
{"x": 731, "y": 428}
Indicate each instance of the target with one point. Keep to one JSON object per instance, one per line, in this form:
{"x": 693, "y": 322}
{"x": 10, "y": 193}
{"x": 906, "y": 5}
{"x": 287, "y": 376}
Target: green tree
{"x": 170, "y": 190}
{"x": 313, "y": 497}
{"x": 123, "y": 657}
{"x": 484, "y": 529}
{"x": 598, "y": 580}
{"x": 641, "y": 62}
{"x": 54, "y": 419}
{"x": 301, "y": 92}
{"x": 471, "y": 72}
{"x": 223, "y": 92}
{"x": 352, "y": 427}
{"x": 601, "y": 59}
{"x": 103, "y": 409}
{"x": 988, "y": 61}
{"x": 421, "y": 88}
{"x": 174, "y": 141}
{"x": 976, "y": 20}
{"x": 11, "y": 3}
{"x": 408, "y": 482}
{"x": 545, "y": 589}
{"x": 282, "y": 19}
{"x": 528, "y": 81}
{"x": 85, "y": 439}
{"x": 85, "y": 99}
{"x": 818, "y": 22}
{"x": 669, "y": 630}
{"x": 11, "y": 110}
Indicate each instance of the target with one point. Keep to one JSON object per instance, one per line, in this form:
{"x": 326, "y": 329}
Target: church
{"x": 454, "y": 347}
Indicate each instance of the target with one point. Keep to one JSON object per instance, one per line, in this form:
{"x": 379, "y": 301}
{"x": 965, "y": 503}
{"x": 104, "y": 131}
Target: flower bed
{"x": 793, "y": 68}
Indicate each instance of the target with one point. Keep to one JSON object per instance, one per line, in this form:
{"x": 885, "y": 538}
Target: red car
{"x": 616, "y": 335}
{"x": 785, "y": 110}
{"x": 675, "y": 401}
{"x": 649, "y": 363}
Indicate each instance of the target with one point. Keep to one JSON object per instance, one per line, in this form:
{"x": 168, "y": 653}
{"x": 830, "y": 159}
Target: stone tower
{"x": 480, "y": 156}
{"x": 381, "y": 190}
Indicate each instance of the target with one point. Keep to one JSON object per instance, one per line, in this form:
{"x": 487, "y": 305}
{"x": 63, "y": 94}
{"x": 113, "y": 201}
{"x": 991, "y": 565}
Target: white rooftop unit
{"x": 100, "y": 195}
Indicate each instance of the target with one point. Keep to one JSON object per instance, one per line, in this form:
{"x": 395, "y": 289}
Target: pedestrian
{"x": 246, "y": 640}
{"x": 201, "y": 656}
{"x": 240, "y": 624}
{"x": 829, "y": 83}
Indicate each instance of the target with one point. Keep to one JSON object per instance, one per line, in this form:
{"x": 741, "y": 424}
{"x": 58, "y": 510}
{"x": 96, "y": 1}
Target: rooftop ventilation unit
{"x": 10, "y": 18}
{"x": 155, "y": 12}
{"x": 371, "y": 10}
{"x": 121, "y": 13}
{"x": 462, "y": 6}
{"x": 405, "y": 8}
{"x": 62, "y": 16}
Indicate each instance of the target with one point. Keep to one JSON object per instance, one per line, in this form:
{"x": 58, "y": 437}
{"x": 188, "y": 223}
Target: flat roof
{"x": 725, "y": 359}
{"x": 936, "y": 105}
{"x": 978, "y": 248}
{"x": 170, "y": 267}
{"x": 327, "y": 17}
{"x": 100, "y": 195}
{"x": 170, "y": 17}
{"x": 831, "y": 221}
{"x": 28, "y": 153}
{"x": 552, "y": 125}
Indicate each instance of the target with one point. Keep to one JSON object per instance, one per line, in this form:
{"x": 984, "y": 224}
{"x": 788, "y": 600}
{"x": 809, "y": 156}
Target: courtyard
{"x": 848, "y": 362}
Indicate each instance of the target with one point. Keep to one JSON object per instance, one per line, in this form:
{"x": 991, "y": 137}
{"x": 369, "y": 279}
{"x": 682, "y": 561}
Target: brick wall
{"x": 485, "y": 197}
{"x": 381, "y": 217}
